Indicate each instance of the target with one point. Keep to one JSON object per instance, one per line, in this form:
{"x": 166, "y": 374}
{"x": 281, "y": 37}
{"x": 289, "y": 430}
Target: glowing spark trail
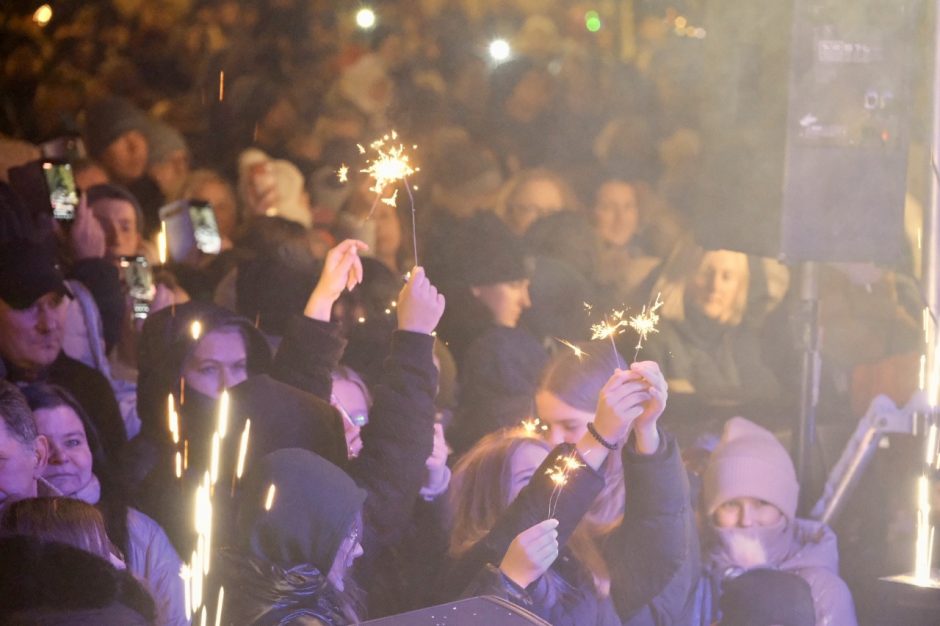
{"x": 578, "y": 352}
{"x": 609, "y": 328}
{"x": 645, "y": 323}
{"x": 342, "y": 173}
{"x": 534, "y": 426}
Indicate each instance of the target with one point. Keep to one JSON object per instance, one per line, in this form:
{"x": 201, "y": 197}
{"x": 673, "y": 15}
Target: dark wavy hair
{"x": 113, "y": 502}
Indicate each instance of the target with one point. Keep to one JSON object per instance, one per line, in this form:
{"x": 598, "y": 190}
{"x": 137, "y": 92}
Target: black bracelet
{"x": 600, "y": 440}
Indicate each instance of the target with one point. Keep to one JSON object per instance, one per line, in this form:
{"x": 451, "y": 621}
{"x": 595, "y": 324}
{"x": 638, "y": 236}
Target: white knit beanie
{"x": 749, "y": 462}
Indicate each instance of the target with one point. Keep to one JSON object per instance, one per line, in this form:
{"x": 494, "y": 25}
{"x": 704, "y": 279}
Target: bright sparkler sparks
{"x": 214, "y": 463}
{"x": 610, "y": 327}
{"x": 242, "y": 450}
{"x": 224, "y": 404}
{"x": 645, "y": 323}
{"x": 161, "y": 243}
{"x": 534, "y": 426}
{"x": 195, "y": 329}
{"x": 558, "y": 474}
{"x": 390, "y": 165}
{"x": 173, "y": 418}
{"x": 578, "y": 352}
{"x": 342, "y": 174}
{"x": 269, "y": 499}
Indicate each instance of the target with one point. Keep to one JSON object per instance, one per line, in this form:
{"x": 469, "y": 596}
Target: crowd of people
{"x": 428, "y": 389}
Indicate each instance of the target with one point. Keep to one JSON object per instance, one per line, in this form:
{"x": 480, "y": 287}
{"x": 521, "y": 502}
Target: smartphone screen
{"x": 63, "y": 195}
{"x": 138, "y": 277}
{"x": 205, "y": 228}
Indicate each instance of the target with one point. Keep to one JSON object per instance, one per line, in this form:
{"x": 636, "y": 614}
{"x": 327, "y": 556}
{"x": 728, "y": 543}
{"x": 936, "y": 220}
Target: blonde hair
{"x": 61, "y": 519}
{"x": 479, "y": 495}
{"x": 680, "y": 269}
{"x": 513, "y": 187}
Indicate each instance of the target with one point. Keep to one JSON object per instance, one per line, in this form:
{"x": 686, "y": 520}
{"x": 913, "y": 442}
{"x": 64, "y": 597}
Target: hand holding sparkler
{"x": 644, "y": 427}
{"x": 531, "y": 553}
{"x": 342, "y": 269}
{"x": 420, "y": 306}
{"x": 620, "y": 403}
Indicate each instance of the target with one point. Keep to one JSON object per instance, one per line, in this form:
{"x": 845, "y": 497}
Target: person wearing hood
{"x": 78, "y": 468}
{"x": 291, "y": 555}
{"x": 749, "y": 498}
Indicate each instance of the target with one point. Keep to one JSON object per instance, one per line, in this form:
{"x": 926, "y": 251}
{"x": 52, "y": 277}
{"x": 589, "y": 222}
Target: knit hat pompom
{"x": 749, "y": 462}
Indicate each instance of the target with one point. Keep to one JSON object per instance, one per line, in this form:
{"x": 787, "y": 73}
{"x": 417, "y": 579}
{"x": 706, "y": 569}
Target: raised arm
{"x": 312, "y": 345}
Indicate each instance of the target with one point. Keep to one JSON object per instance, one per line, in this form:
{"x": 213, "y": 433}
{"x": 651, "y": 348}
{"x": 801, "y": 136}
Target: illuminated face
{"x": 70, "y": 463}
{"x": 522, "y": 465}
{"x": 533, "y": 200}
{"x": 126, "y": 157}
{"x": 506, "y": 301}
{"x": 616, "y": 213}
{"x": 566, "y": 424}
{"x": 31, "y": 338}
{"x": 119, "y": 220}
{"x": 218, "y": 362}
{"x": 717, "y": 284}
{"x": 746, "y": 513}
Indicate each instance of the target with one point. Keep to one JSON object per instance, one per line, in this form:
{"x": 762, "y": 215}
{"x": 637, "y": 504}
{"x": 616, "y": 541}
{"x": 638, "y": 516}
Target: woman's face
{"x": 616, "y": 213}
{"x": 522, "y": 465}
{"x": 218, "y": 362}
{"x": 746, "y": 513}
{"x": 70, "y": 462}
{"x": 506, "y": 301}
{"x": 716, "y": 286}
{"x": 533, "y": 200}
{"x": 354, "y": 407}
{"x": 566, "y": 424}
{"x": 349, "y": 550}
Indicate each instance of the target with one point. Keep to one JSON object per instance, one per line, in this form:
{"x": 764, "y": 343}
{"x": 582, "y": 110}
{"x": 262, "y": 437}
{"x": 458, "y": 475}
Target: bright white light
{"x": 365, "y": 18}
{"x": 43, "y": 15}
{"x": 499, "y": 50}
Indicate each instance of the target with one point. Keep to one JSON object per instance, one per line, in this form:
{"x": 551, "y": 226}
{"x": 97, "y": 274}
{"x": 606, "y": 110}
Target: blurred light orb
{"x": 43, "y": 15}
{"x": 592, "y": 21}
{"x": 500, "y": 50}
{"x": 365, "y": 18}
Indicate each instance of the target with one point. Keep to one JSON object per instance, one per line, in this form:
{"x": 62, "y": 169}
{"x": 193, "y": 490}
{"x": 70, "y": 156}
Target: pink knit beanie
{"x": 749, "y": 462}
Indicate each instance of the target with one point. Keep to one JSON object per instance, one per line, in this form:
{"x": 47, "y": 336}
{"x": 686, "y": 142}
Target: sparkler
{"x": 218, "y": 607}
{"x": 269, "y": 499}
{"x": 559, "y": 476}
{"x": 534, "y": 426}
{"x": 390, "y": 165}
{"x": 195, "y": 329}
{"x": 173, "y": 419}
{"x": 645, "y": 323}
{"x": 223, "y": 414}
{"x": 161, "y": 243}
{"x": 242, "y": 450}
{"x": 607, "y": 329}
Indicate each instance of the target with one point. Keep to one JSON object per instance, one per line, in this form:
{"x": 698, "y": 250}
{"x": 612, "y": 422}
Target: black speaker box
{"x": 805, "y": 121}
{"x": 486, "y": 610}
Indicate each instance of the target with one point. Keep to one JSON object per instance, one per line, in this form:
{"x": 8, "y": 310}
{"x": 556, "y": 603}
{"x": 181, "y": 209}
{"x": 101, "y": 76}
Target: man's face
{"x": 20, "y": 466}
{"x": 31, "y": 338}
{"x": 126, "y": 157}
{"x": 218, "y": 362}
{"x": 119, "y": 220}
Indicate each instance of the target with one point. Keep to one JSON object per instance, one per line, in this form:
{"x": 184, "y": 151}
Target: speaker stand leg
{"x": 808, "y": 320}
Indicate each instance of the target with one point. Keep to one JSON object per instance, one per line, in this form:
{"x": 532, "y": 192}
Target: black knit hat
{"x": 27, "y": 272}
{"x": 107, "y": 120}
{"x": 488, "y": 253}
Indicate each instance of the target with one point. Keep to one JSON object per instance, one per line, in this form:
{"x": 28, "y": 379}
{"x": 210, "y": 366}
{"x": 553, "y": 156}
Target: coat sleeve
{"x": 831, "y": 597}
{"x": 156, "y": 561}
{"x": 398, "y": 438}
{"x": 654, "y": 553}
{"x": 530, "y": 507}
{"x": 308, "y": 354}
{"x": 103, "y": 281}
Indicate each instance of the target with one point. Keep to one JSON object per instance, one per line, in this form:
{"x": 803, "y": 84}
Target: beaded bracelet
{"x": 600, "y": 440}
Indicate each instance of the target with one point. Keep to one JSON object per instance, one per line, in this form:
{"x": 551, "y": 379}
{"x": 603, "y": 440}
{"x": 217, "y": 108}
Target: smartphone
{"x": 63, "y": 194}
{"x": 47, "y": 186}
{"x": 205, "y": 228}
{"x": 190, "y": 228}
{"x": 138, "y": 277}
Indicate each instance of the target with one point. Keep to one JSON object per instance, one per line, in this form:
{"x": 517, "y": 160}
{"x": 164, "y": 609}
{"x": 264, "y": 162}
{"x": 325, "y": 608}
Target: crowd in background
{"x": 389, "y": 344}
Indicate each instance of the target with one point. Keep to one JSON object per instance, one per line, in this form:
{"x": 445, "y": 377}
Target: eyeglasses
{"x": 359, "y": 419}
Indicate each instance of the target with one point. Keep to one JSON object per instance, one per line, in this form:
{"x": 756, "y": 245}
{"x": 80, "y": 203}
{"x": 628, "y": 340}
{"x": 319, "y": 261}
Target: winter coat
{"x": 811, "y": 551}
{"x": 499, "y": 376}
{"x": 154, "y": 561}
{"x": 652, "y": 554}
